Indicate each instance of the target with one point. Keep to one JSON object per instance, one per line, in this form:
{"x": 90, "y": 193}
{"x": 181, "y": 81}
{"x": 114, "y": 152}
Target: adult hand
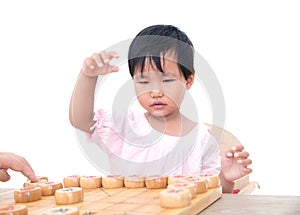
{"x": 17, "y": 163}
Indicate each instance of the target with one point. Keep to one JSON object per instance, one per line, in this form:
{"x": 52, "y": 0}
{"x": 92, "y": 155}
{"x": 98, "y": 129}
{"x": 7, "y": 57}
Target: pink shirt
{"x": 133, "y": 147}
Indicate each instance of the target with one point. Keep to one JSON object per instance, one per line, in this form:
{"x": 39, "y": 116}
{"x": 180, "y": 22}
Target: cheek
{"x": 175, "y": 97}
{"x": 141, "y": 89}
{"x": 175, "y": 93}
{"x": 140, "y": 92}
{"x": 143, "y": 99}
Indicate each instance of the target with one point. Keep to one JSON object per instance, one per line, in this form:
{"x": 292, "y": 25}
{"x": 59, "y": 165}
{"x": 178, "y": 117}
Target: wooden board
{"x": 120, "y": 201}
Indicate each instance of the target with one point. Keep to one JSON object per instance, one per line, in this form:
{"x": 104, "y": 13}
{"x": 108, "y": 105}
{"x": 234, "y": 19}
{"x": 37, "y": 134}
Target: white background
{"x": 252, "y": 46}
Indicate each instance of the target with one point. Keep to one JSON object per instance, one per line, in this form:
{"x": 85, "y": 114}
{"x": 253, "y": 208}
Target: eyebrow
{"x": 145, "y": 75}
{"x": 167, "y": 74}
{"x": 140, "y": 76}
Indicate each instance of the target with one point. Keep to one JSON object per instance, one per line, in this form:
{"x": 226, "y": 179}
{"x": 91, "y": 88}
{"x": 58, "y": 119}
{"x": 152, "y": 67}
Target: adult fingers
{"x": 4, "y": 176}
{"x": 28, "y": 172}
{"x": 20, "y": 164}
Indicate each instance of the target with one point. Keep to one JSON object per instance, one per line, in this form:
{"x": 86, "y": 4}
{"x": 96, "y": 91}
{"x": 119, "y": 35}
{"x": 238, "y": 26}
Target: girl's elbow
{"x": 81, "y": 126}
{"x": 71, "y": 119}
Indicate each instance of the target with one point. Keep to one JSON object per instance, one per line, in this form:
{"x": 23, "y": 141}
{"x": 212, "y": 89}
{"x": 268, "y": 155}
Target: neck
{"x": 174, "y": 125}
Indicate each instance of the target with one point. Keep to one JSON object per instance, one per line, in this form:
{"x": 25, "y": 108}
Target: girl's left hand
{"x": 235, "y": 163}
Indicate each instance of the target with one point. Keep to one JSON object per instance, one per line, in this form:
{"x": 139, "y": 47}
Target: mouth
{"x": 158, "y": 105}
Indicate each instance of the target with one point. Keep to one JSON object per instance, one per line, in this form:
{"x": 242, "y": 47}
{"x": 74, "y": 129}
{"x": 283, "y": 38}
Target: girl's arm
{"x": 81, "y": 110}
{"x": 227, "y": 186}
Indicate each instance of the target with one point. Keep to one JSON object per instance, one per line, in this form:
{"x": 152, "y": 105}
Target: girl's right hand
{"x": 99, "y": 64}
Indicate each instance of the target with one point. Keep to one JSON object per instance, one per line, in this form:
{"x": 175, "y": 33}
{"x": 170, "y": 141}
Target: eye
{"x": 143, "y": 82}
{"x": 168, "y": 80}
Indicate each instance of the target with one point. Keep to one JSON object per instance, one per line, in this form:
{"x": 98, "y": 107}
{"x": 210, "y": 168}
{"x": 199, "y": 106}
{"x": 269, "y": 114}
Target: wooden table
{"x": 120, "y": 201}
{"x": 230, "y": 204}
{"x": 254, "y": 204}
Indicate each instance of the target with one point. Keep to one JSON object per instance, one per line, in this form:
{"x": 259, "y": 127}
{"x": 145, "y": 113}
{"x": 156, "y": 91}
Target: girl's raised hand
{"x": 235, "y": 163}
{"x": 99, "y": 64}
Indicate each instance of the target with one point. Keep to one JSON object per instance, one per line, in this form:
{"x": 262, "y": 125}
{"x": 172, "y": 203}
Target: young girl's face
{"x": 161, "y": 93}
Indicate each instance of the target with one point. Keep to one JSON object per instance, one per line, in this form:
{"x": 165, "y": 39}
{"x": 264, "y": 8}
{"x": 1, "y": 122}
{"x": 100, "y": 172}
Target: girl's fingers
{"x": 237, "y": 148}
{"x": 115, "y": 69}
{"x": 112, "y": 54}
{"x": 229, "y": 154}
{"x": 237, "y": 152}
{"x": 89, "y": 63}
{"x": 106, "y": 57}
{"x": 243, "y": 154}
{"x": 247, "y": 170}
{"x": 99, "y": 64}
{"x": 99, "y": 61}
{"x": 234, "y": 150}
{"x": 245, "y": 162}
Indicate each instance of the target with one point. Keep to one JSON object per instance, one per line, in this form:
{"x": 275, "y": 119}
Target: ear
{"x": 190, "y": 81}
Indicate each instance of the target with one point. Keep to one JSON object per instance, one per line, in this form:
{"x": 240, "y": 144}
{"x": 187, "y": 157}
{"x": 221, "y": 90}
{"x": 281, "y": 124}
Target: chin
{"x": 158, "y": 114}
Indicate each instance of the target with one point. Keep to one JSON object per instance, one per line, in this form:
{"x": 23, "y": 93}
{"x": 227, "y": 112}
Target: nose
{"x": 156, "y": 93}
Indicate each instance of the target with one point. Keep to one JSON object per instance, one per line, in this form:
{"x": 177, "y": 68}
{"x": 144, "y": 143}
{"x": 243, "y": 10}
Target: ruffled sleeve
{"x": 104, "y": 133}
{"x": 103, "y": 119}
{"x": 102, "y": 127}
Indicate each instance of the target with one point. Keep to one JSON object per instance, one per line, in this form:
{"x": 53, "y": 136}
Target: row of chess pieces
{"x": 177, "y": 191}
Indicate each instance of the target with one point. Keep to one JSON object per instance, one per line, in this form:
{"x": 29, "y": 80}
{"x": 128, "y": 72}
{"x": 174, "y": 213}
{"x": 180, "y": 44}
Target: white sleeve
{"x": 211, "y": 159}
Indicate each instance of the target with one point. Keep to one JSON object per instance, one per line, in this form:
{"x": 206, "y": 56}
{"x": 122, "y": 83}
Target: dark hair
{"x": 154, "y": 42}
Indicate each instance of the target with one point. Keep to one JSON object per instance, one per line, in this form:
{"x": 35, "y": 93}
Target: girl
{"x": 159, "y": 140}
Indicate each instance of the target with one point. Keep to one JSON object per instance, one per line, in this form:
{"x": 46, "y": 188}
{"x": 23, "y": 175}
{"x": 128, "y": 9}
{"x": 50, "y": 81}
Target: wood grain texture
{"x": 120, "y": 201}
{"x": 231, "y": 204}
